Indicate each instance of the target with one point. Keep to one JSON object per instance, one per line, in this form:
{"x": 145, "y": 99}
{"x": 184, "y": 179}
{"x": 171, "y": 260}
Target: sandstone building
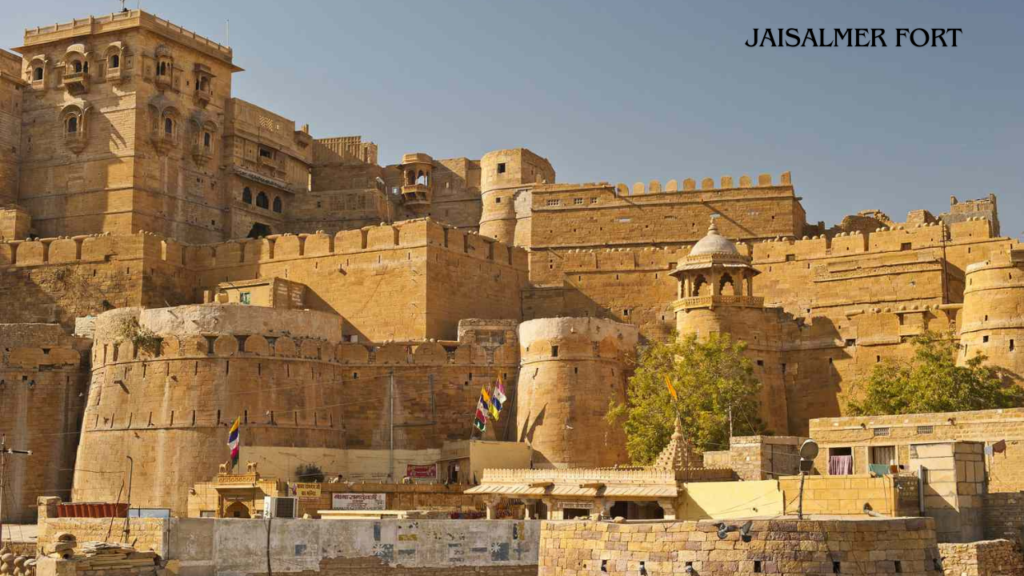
{"x": 335, "y": 303}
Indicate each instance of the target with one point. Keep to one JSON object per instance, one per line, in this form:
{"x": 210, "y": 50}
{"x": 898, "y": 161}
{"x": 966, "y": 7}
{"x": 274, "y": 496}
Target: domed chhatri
{"x": 715, "y": 268}
{"x": 714, "y": 243}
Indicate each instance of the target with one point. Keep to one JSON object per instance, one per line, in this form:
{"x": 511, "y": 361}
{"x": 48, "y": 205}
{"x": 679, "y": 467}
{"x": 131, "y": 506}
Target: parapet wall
{"x": 782, "y": 546}
{"x": 412, "y": 280}
{"x": 351, "y": 547}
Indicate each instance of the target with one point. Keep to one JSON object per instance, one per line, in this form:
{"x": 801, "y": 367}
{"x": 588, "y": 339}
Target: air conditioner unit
{"x": 280, "y": 507}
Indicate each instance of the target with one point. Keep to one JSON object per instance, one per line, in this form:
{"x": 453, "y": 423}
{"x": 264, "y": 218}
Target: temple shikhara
{"x": 174, "y": 258}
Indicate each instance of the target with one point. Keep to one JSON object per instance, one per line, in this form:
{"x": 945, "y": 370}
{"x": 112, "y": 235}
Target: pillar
{"x": 668, "y": 508}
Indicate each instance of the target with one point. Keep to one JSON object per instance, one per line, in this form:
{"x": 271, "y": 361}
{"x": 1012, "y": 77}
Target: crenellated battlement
{"x": 99, "y": 248}
{"x": 706, "y": 184}
{"x": 108, "y": 353}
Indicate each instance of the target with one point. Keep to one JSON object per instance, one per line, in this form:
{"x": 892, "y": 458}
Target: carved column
{"x": 668, "y": 508}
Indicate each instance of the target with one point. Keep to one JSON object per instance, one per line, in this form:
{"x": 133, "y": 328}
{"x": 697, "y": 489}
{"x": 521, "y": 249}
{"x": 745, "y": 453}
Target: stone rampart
{"x": 42, "y": 383}
{"x": 181, "y": 391}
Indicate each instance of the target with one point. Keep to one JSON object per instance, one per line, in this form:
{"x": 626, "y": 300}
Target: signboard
{"x": 306, "y": 490}
{"x": 574, "y": 505}
{"x": 421, "y": 471}
{"x": 347, "y": 501}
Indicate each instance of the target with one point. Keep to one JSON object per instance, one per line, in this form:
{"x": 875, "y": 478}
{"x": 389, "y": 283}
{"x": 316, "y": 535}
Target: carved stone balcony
{"x": 202, "y": 97}
{"x": 75, "y": 141}
{"x": 416, "y": 195}
{"x": 163, "y": 142}
{"x": 76, "y": 82}
{"x": 697, "y": 302}
{"x": 201, "y": 154}
{"x": 163, "y": 81}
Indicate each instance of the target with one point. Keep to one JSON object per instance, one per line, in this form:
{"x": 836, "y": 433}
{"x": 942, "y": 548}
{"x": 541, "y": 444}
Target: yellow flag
{"x": 671, "y": 390}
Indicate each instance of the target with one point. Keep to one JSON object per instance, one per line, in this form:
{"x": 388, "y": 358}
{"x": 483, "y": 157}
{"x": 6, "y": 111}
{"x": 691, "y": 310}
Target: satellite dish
{"x": 809, "y": 450}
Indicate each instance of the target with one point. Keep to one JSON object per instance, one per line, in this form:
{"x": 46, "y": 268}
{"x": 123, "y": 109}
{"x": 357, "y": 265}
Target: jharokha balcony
{"x": 76, "y": 82}
{"x": 708, "y": 301}
{"x": 416, "y": 195}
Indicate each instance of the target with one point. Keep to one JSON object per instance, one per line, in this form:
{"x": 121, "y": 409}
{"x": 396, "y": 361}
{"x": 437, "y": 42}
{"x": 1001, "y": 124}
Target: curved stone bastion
{"x": 167, "y": 384}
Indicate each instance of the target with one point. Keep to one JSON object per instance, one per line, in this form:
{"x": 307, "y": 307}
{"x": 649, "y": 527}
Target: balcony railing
{"x": 695, "y": 302}
{"x": 76, "y": 82}
{"x": 416, "y": 194}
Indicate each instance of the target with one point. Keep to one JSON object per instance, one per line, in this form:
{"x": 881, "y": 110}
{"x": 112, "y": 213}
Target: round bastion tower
{"x": 716, "y": 296}
{"x": 992, "y": 318}
{"x": 507, "y": 178}
{"x": 571, "y": 369}
{"x": 167, "y": 400}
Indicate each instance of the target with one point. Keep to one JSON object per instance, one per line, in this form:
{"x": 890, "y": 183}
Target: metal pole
{"x": 3, "y": 483}
{"x": 800, "y": 501}
{"x": 128, "y": 516}
{"x": 391, "y": 455}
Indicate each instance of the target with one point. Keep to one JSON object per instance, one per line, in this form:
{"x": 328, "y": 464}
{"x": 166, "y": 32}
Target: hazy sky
{"x": 629, "y": 91}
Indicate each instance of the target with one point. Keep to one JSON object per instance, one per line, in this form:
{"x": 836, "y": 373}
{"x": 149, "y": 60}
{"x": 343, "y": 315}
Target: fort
{"x": 174, "y": 258}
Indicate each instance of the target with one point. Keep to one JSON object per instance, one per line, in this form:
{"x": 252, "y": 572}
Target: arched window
{"x": 168, "y": 126}
{"x": 207, "y": 140}
{"x": 247, "y": 195}
{"x": 410, "y": 178}
{"x": 77, "y": 66}
{"x": 700, "y": 287}
{"x": 72, "y": 125}
{"x": 115, "y": 61}
{"x": 37, "y": 73}
{"x": 161, "y": 69}
{"x": 421, "y": 178}
{"x": 277, "y": 205}
{"x": 262, "y": 201}
{"x": 727, "y": 287}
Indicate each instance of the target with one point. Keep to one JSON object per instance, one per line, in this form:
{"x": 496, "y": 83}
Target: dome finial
{"x": 712, "y": 229}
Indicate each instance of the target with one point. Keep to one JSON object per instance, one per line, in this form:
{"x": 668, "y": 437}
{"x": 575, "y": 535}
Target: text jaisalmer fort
{"x": 230, "y": 347}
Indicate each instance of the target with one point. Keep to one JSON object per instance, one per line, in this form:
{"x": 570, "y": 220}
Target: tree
{"x": 932, "y": 382}
{"x": 710, "y": 377}
{"x": 309, "y": 473}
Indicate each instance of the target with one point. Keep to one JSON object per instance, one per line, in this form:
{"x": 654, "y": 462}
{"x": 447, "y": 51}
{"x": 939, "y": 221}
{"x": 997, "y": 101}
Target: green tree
{"x": 309, "y": 473}
{"x": 710, "y": 377}
{"x": 932, "y": 382}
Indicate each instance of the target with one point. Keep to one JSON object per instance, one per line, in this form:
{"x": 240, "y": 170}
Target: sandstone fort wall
{"x": 42, "y": 383}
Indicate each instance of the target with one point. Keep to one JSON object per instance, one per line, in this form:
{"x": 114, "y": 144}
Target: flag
{"x": 671, "y": 390}
{"x": 488, "y": 405}
{"x": 481, "y": 410}
{"x": 499, "y": 393}
{"x": 233, "y": 441}
{"x": 480, "y": 424}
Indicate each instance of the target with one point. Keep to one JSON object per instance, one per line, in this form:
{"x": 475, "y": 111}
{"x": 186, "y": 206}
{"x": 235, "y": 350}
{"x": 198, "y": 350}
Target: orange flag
{"x": 671, "y": 390}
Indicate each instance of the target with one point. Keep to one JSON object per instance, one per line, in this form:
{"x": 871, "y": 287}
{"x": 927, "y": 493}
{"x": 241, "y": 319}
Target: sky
{"x": 637, "y": 91}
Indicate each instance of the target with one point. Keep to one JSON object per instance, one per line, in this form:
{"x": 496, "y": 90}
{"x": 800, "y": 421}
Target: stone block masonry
{"x": 783, "y": 546}
{"x": 238, "y": 547}
{"x": 985, "y": 558}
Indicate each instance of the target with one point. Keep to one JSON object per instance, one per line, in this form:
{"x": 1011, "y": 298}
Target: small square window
{"x": 245, "y": 298}
{"x": 497, "y": 200}
{"x": 554, "y": 202}
{"x": 554, "y": 351}
{"x": 880, "y": 431}
{"x": 984, "y": 339}
{"x": 577, "y": 201}
{"x": 905, "y": 246}
{"x": 593, "y": 200}
{"x": 501, "y": 168}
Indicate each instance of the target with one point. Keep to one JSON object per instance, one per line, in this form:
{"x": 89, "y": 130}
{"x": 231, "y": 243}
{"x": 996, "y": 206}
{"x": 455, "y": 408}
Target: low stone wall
{"x": 1003, "y": 515}
{"x": 847, "y": 495}
{"x": 788, "y": 546}
{"x": 230, "y": 547}
{"x": 985, "y": 558}
{"x": 146, "y": 533}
